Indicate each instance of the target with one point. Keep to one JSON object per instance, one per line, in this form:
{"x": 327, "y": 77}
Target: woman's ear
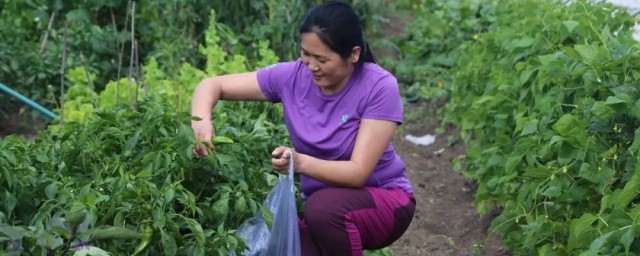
{"x": 355, "y": 54}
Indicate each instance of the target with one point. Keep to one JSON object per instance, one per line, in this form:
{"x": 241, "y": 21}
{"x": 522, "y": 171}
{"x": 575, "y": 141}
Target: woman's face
{"x": 330, "y": 72}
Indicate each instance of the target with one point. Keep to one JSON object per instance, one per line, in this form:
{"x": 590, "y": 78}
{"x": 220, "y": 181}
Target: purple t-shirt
{"x": 325, "y": 126}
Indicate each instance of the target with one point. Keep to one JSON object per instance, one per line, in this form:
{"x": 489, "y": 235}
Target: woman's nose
{"x": 313, "y": 67}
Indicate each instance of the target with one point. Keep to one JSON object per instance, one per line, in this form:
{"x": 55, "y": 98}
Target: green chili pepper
{"x": 144, "y": 244}
{"x": 221, "y": 140}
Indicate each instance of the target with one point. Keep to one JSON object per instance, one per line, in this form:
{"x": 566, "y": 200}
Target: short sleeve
{"x": 384, "y": 102}
{"x": 273, "y": 79}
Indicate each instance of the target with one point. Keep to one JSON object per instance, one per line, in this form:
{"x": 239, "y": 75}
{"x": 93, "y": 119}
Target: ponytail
{"x": 367, "y": 54}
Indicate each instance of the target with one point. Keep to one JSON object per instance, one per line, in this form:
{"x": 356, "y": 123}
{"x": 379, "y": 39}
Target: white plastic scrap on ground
{"x": 423, "y": 141}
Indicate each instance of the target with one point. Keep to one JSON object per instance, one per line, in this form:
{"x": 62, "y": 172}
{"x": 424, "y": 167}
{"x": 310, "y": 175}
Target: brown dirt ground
{"x": 446, "y": 221}
{"x": 19, "y": 119}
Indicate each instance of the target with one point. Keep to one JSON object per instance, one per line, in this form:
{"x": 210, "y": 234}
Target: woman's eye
{"x": 323, "y": 61}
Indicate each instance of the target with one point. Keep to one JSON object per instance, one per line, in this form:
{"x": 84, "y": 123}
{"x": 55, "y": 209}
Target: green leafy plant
{"x": 135, "y": 170}
{"x": 156, "y": 85}
{"x": 547, "y": 104}
{"x": 132, "y": 168}
{"x": 430, "y": 44}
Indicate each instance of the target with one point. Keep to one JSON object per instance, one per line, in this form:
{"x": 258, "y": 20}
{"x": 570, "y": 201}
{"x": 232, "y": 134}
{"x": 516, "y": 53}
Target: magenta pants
{"x": 345, "y": 221}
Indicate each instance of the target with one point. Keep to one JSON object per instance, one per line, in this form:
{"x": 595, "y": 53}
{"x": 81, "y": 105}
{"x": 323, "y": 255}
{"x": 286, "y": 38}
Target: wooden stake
{"x": 133, "y": 45}
{"x": 121, "y": 52}
{"x": 137, "y": 73}
{"x": 46, "y": 33}
{"x": 89, "y": 84}
{"x": 64, "y": 60}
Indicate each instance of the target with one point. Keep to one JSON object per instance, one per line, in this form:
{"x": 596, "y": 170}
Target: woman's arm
{"x": 372, "y": 139}
{"x": 242, "y": 86}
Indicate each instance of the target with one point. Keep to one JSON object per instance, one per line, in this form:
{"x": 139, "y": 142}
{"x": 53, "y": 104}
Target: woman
{"x": 341, "y": 110}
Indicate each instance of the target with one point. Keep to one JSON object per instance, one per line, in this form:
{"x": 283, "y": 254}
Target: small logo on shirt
{"x": 344, "y": 118}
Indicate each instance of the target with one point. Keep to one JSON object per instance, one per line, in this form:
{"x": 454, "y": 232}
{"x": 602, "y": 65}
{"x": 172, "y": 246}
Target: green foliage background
{"x": 168, "y": 31}
{"x": 128, "y": 168}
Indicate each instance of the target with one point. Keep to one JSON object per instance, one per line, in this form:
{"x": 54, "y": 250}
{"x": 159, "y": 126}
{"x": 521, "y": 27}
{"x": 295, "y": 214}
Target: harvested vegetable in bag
{"x": 284, "y": 238}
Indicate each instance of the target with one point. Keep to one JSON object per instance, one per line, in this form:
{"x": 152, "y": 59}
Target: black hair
{"x": 339, "y": 27}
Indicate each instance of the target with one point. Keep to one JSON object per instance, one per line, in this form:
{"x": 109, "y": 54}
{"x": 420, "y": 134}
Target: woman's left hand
{"x": 282, "y": 156}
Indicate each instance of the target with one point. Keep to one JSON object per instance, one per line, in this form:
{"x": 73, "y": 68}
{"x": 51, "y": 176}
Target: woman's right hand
{"x": 242, "y": 86}
{"x": 203, "y": 131}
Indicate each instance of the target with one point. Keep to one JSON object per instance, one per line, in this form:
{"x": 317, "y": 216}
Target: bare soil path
{"x": 446, "y": 221}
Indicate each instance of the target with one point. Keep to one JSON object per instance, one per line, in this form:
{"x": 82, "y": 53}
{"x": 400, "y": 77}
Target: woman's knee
{"x": 318, "y": 210}
{"x": 330, "y": 206}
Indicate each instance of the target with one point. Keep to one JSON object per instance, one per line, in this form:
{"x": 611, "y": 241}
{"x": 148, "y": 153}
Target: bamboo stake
{"x": 140, "y": 73}
{"x": 89, "y": 83}
{"x": 46, "y": 33}
{"x": 64, "y": 60}
{"x": 115, "y": 29}
{"x": 144, "y": 82}
{"x": 137, "y": 74}
{"x": 133, "y": 46}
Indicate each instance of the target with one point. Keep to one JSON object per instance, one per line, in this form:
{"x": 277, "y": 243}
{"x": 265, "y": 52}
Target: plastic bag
{"x": 284, "y": 238}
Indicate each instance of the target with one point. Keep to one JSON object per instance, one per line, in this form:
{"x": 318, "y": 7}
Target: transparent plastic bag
{"x": 284, "y": 238}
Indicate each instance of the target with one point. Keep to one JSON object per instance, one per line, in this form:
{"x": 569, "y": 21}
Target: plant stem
{"x": 67, "y": 245}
